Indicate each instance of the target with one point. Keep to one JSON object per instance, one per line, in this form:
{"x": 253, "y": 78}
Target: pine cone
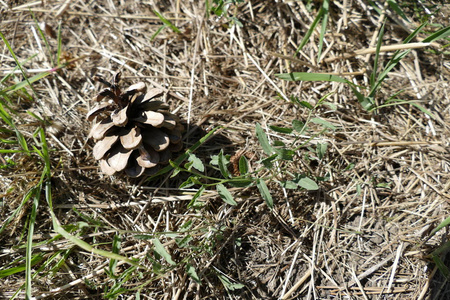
{"x": 133, "y": 132}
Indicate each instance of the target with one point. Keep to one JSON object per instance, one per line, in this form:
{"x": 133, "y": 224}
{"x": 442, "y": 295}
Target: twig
{"x": 382, "y": 49}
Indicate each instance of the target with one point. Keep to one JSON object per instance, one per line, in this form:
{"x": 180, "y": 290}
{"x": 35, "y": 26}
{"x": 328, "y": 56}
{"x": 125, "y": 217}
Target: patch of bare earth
{"x": 362, "y": 235}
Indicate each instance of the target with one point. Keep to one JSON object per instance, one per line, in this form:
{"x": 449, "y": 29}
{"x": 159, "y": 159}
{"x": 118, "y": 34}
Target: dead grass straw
{"x": 359, "y": 236}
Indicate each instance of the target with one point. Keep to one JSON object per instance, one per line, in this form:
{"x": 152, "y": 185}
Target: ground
{"x": 382, "y": 172}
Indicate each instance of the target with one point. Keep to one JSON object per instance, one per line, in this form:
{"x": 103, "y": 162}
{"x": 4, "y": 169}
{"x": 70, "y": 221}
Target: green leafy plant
{"x": 37, "y": 151}
{"x": 220, "y": 8}
{"x": 38, "y": 154}
{"x": 368, "y": 102}
{"x": 322, "y": 15}
{"x": 273, "y": 166}
{"x": 166, "y": 23}
{"x": 437, "y": 253}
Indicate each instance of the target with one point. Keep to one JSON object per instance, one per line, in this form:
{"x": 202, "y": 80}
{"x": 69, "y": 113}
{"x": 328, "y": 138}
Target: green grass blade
{"x": 441, "y": 34}
{"x": 45, "y": 155}
{"x": 76, "y": 241}
{"x": 82, "y": 244}
{"x": 59, "y": 40}
{"x": 309, "y": 32}
{"x": 158, "y": 31}
{"x": 303, "y": 76}
{"x": 228, "y": 284}
{"x": 36, "y": 194}
{"x": 29, "y": 257}
{"x": 21, "y": 268}
{"x": 393, "y": 4}
{"x": 375, "y": 7}
{"x": 438, "y": 261}
{"x": 441, "y": 266}
{"x": 366, "y": 103}
{"x": 325, "y": 7}
{"x": 421, "y": 108}
{"x": 443, "y": 224}
{"x": 6, "y": 117}
{"x": 6, "y": 77}
{"x": 57, "y": 226}
{"x": 116, "y": 288}
{"x": 394, "y": 102}
{"x": 442, "y": 249}
{"x": 373, "y": 76}
{"x": 14, "y": 57}
{"x": 27, "y": 81}
{"x": 396, "y": 58}
{"x": 166, "y": 22}
{"x": 413, "y": 34}
{"x": 207, "y": 9}
{"x": 7, "y": 131}
{"x": 47, "y": 46}
{"x": 59, "y": 257}
{"x": 25, "y": 199}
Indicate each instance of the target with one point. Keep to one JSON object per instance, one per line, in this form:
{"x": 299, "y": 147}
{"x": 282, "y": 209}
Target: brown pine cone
{"x": 133, "y": 132}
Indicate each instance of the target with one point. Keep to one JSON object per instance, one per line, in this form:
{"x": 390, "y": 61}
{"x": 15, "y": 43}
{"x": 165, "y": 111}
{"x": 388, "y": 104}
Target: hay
{"x": 362, "y": 235}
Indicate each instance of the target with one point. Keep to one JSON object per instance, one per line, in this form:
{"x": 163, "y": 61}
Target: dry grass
{"x": 362, "y": 235}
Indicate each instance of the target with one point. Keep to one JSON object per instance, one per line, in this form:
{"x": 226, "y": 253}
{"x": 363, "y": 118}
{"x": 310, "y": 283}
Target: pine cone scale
{"x": 152, "y": 118}
{"x": 157, "y": 139}
{"x": 169, "y": 122}
{"x": 153, "y": 105}
{"x": 137, "y": 87}
{"x": 148, "y": 158}
{"x": 152, "y": 93}
{"x": 118, "y": 158}
{"x": 105, "y": 167}
{"x": 99, "y": 130}
{"x": 103, "y": 146}
{"x": 131, "y": 138}
{"x": 98, "y": 109}
{"x": 134, "y": 170}
{"x": 119, "y": 117}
